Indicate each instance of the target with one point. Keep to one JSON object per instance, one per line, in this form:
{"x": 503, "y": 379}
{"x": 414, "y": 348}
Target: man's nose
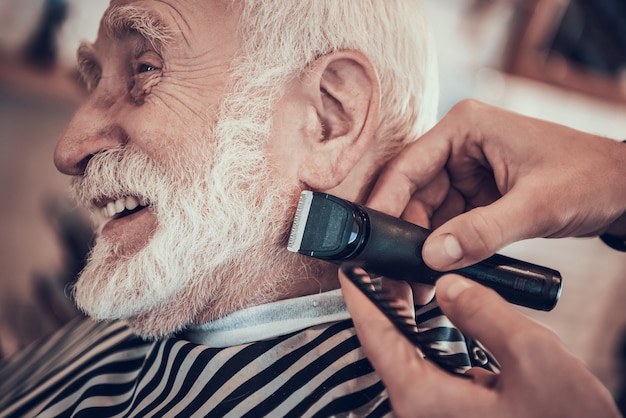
{"x": 92, "y": 130}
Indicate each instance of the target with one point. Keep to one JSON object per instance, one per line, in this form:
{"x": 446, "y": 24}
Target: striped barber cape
{"x": 90, "y": 369}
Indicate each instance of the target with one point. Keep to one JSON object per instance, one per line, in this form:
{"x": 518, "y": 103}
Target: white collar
{"x": 270, "y": 320}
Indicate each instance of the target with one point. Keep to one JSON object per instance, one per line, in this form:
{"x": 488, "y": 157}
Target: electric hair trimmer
{"x": 333, "y": 229}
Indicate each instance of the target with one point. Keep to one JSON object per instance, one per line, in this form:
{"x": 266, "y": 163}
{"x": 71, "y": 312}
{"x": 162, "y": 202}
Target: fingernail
{"x": 442, "y": 251}
{"x": 457, "y": 287}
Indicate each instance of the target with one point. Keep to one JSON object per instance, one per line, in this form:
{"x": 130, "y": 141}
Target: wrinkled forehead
{"x": 192, "y": 22}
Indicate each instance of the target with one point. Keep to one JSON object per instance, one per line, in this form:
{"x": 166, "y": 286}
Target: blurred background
{"x": 560, "y": 60}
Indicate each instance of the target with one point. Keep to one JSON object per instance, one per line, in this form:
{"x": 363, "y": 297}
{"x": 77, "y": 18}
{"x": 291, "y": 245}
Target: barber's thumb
{"x": 463, "y": 240}
{"x": 479, "y": 312}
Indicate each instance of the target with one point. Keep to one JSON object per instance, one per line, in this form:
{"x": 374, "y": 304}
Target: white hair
{"x": 281, "y": 38}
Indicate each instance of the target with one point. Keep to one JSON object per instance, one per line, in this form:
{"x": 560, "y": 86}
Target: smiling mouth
{"x": 122, "y": 207}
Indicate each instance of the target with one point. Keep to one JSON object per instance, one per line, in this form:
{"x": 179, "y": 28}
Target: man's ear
{"x": 344, "y": 90}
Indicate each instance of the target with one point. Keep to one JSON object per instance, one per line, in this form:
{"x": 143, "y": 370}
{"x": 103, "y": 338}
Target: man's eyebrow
{"x": 119, "y": 21}
{"x": 87, "y": 65}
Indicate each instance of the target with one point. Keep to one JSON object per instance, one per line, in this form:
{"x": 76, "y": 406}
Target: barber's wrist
{"x": 615, "y": 234}
{"x": 615, "y": 242}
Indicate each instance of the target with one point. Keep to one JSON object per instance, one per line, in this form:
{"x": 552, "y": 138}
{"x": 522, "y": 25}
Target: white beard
{"x": 220, "y": 237}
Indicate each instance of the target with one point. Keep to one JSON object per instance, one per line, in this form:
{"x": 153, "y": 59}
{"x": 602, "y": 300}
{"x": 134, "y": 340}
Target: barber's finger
{"x": 422, "y": 293}
{"x": 479, "y": 233}
{"x": 483, "y": 377}
{"x": 415, "y": 167}
{"x": 453, "y": 205}
{"x": 426, "y": 200}
{"x": 481, "y": 313}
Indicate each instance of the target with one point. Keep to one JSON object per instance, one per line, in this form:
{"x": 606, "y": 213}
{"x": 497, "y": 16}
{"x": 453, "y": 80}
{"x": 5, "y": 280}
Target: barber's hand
{"x": 508, "y": 178}
{"x": 539, "y": 377}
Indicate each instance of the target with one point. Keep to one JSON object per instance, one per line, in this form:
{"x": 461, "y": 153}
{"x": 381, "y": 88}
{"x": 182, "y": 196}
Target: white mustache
{"x": 117, "y": 174}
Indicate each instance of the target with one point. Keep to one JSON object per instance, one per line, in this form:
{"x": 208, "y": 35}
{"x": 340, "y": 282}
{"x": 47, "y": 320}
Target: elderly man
{"x": 204, "y": 121}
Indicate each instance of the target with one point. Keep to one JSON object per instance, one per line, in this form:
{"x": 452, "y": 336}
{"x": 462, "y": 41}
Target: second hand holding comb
{"x": 404, "y": 320}
{"x": 334, "y": 229}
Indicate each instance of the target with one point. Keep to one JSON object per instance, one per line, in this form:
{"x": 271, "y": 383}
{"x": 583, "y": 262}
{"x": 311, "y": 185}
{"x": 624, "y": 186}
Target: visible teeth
{"x": 111, "y": 209}
{"x": 118, "y": 206}
{"x": 131, "y": 203}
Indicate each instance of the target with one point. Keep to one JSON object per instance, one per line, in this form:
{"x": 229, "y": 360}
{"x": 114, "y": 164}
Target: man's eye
{"x": 145, "y": 77}
{"x": 144, "y": 68}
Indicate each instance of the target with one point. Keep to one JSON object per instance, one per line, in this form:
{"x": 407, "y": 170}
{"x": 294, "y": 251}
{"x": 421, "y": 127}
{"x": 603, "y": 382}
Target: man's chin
{"x": 150, "y": 324}
{"x": 170, "y": 314}
{"x": 145, "y": 289}
{"x": 115, "y": 282}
